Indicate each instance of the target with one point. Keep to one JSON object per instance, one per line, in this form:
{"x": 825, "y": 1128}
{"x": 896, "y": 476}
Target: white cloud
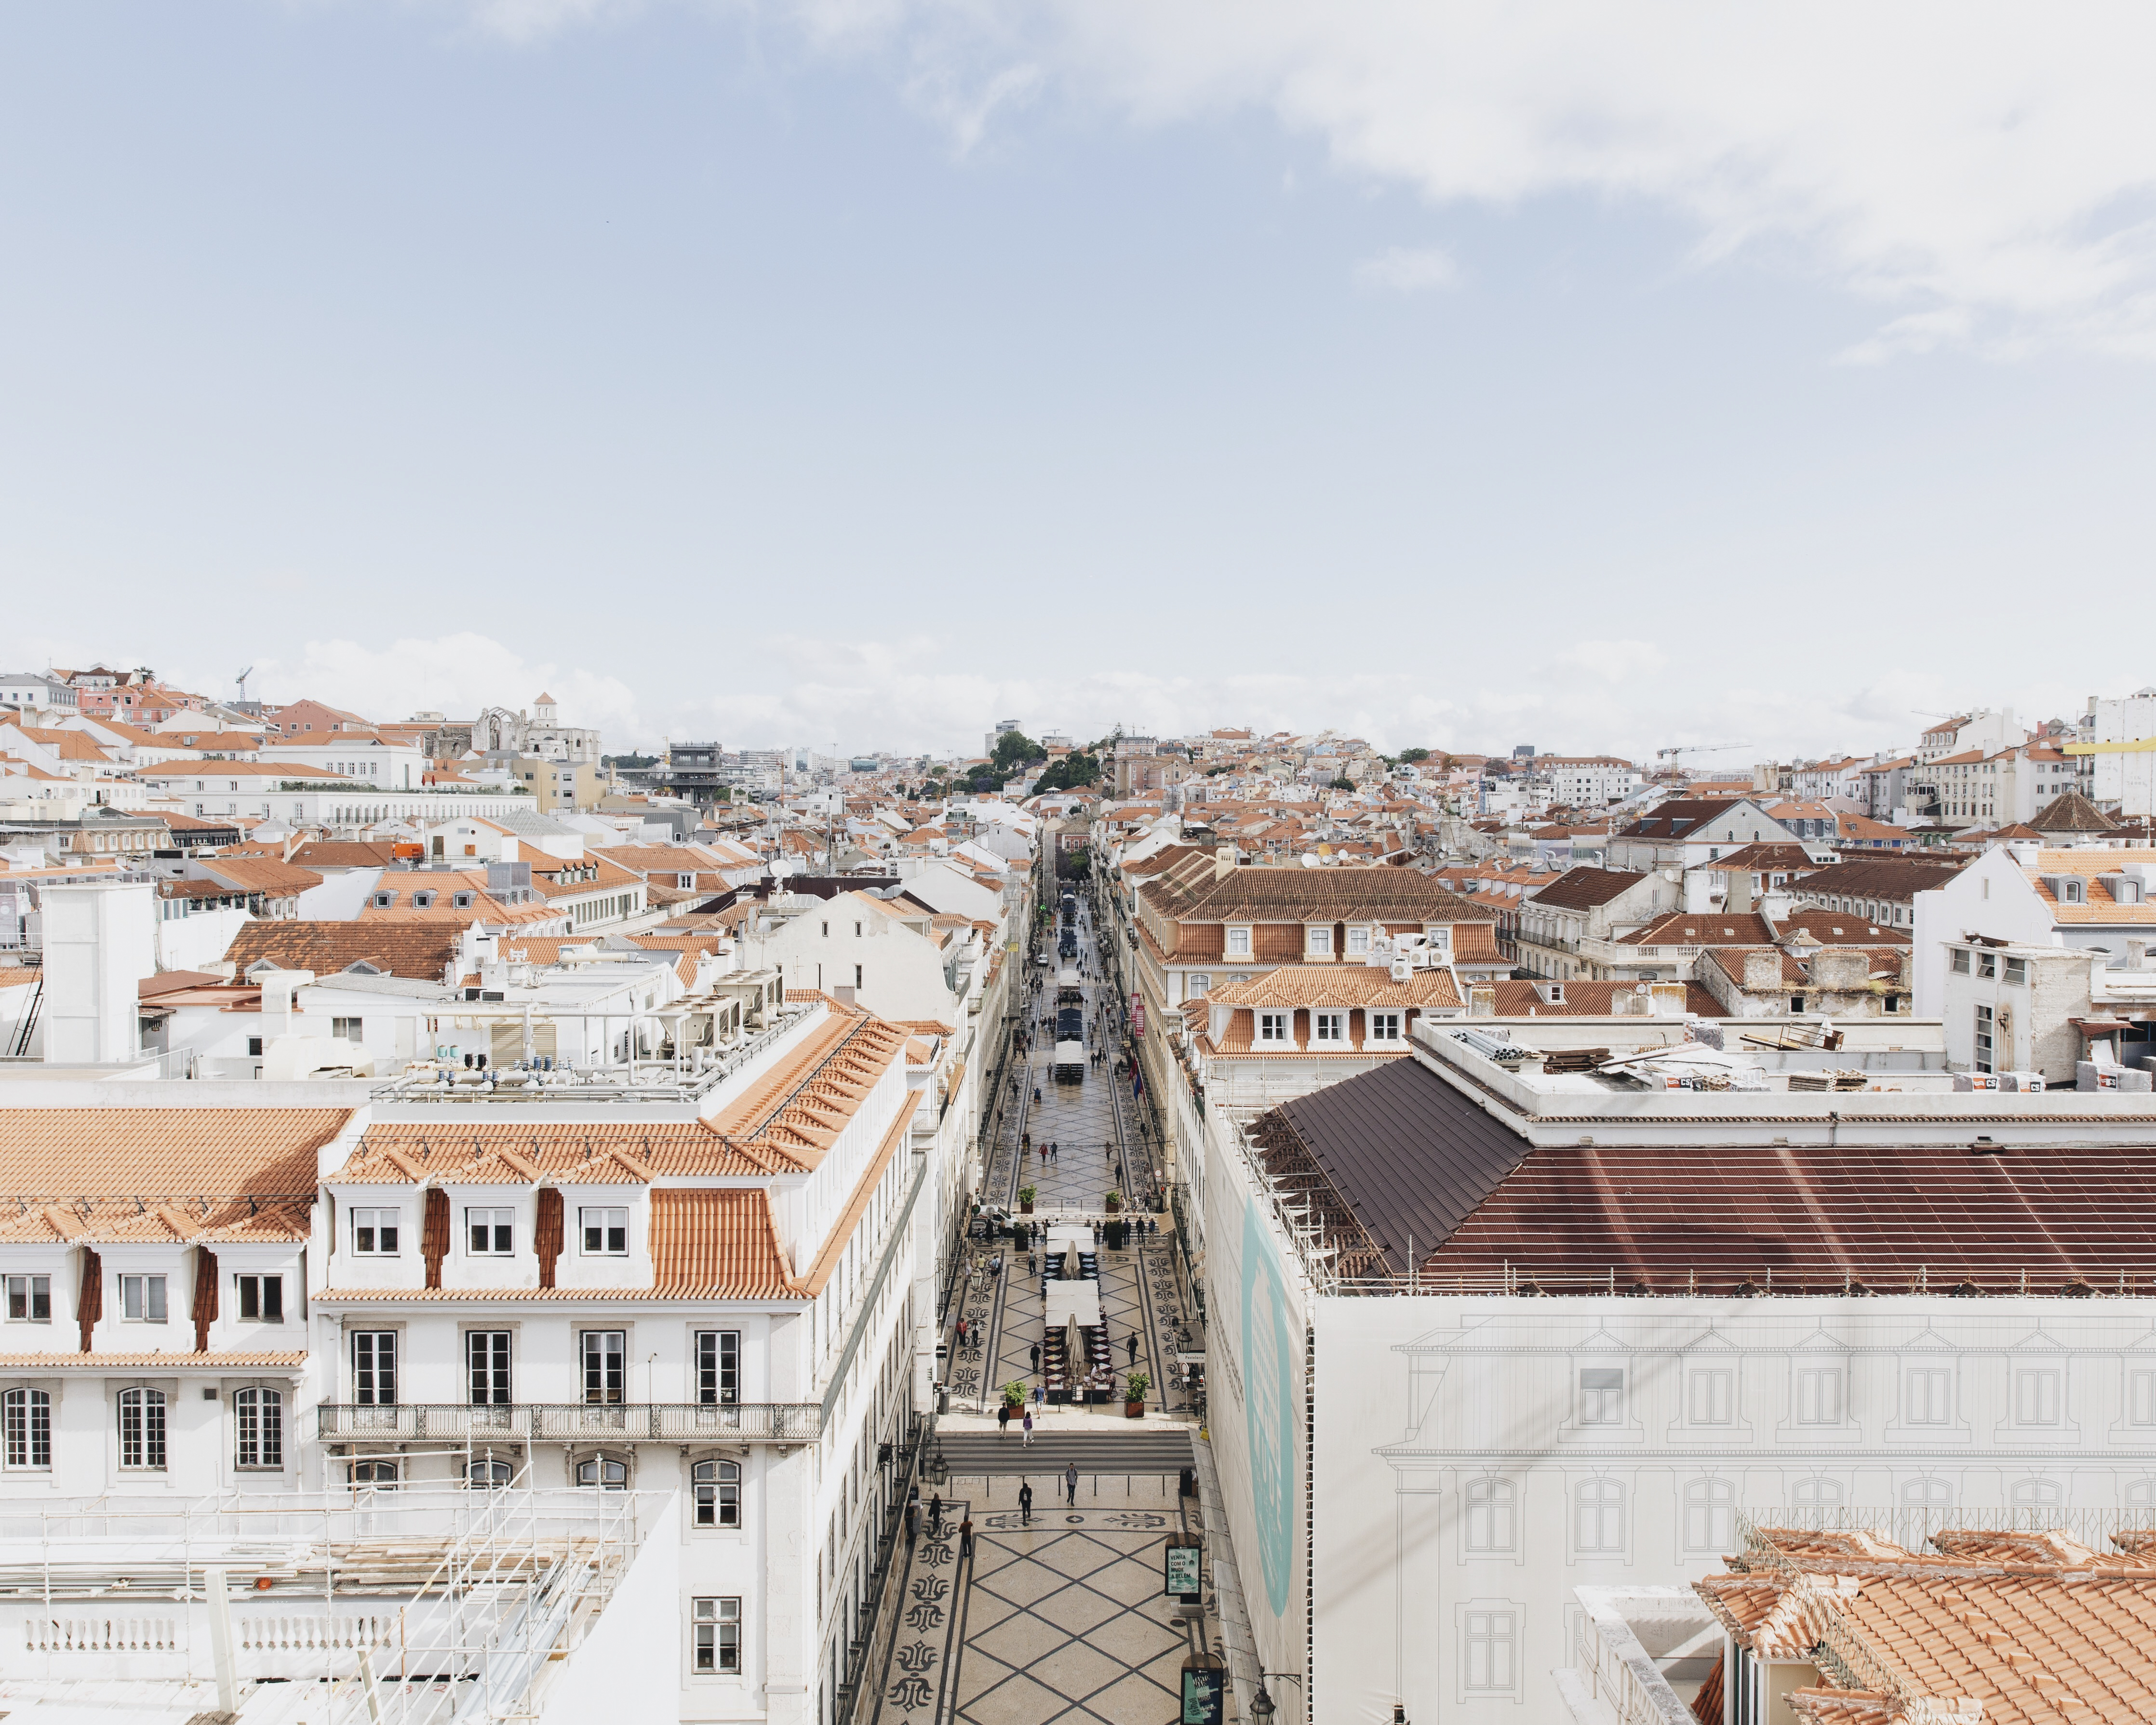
{"x": 1624, "y": 696}
{"x": 1405, "y": 269}
{"x": 1984, "y": 167}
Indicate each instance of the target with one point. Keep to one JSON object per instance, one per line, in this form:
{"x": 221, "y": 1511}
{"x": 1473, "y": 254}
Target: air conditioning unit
{"x": 1402, "y": 969}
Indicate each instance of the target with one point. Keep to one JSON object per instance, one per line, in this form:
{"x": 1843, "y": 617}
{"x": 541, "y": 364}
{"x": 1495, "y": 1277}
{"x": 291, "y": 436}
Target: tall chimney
{"x": 1737, "y": 896}
{"x": 1223, "y": 861}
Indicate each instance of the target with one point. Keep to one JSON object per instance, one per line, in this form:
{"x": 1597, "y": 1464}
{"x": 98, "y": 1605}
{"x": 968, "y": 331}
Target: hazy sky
{"x": 865, "y": 371}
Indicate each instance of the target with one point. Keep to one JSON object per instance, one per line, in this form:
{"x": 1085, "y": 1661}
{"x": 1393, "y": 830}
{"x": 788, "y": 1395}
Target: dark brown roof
{"x": 1407, "y": 1157}
{"x": 1766, "y": 856}
{"x": 1843, "y": 928}
{"x": 1401, "y": 1149}
{"x": 423, "y": 951}
{"x": 1896, "y": 879}
{"x": 1673, "y": 820}
{"x": 1269, "y": 894}
{"x": 2071, "y": 812}
{"x": 1704, "y": 928}
{"x": 1582, "y": 889}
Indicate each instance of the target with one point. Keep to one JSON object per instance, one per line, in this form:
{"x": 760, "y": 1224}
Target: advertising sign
{"x": 1205, "y": 1691}
{"x": 1183, "y": 1570}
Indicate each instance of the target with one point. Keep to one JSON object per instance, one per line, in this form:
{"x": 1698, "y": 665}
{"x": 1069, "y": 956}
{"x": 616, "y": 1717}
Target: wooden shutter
{"x": 434, "y": 1234}
{"x": 547, "y": 1236}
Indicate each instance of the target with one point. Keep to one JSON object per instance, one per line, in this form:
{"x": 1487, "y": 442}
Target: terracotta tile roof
{"x": 260, "y": 874}
{"x": 178, "y": 1361}
{"x": 799, "y": 1107}
{"x": 1765, "y": 858}
{"x": 2029, "y": 1628}
{"x": 456, "y": 1153}
{"x": 719, "y": 1246}
{"x": 48, "y": 1154}
{"x": 1585, "y": 998}
{"x": 1295, "y": 895}
{"x": 423, "y": 951}
{"x": 1292, "y": 985}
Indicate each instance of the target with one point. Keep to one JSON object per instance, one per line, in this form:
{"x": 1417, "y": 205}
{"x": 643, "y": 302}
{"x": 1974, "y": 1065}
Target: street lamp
{"x": 1263, "y": 1707}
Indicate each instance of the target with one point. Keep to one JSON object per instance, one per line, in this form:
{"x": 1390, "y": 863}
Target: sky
{"x": 860, "y": 372}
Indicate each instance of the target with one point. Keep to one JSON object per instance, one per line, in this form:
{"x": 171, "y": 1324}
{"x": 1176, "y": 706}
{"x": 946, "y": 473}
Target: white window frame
{"x": 718, "y": 1367}
{"x": 1709, "y": 1515}
{"x": 149, "y": 1439}
{"x": 497, "y": 1220}
{"x": 2039, "y": 1395}
{"x": 1317, "y": 942}
{"x": 1821, "y": 1394}
{"x": 1329, "y": 1026}
{"x": 1598, "y": 1514}
{"x": 598, "y": 1218}
{"x": 258, "y": 1429}
{"x": 25, "y": 1289}
{"x": 1358, "y": 942}
{"x": 1275, "y": 1029}
{"x": 1710, "y": 1396}
{"x": 1488, "y": 1651}
{"x": 1236, "y": 942}
{"x": 1490, "y": 1511}
{"x": 260, "y": 1289}
{"x": 1928, "y": 1395}
{"x": 1601, "y": 1403}
{"x": 374, "y": 1369}
{"x": 370, "y": 1223}
{"x": 715, "y": 1490}
{"x": 26, "y": 1414}
{"x": 1385, "y": 1027}
{"x": 142, "y": 1299}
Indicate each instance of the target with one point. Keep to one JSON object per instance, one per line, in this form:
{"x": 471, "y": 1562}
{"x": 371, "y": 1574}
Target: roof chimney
{"x": 1737, "y": 896}
{"x": 1223, "y": 861}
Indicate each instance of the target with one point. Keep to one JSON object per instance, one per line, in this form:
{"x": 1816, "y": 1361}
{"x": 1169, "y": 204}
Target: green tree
{"x": 1414, "y": 754}
{"x": 1014, "y": 748}
{"x": 1343, "y": 784}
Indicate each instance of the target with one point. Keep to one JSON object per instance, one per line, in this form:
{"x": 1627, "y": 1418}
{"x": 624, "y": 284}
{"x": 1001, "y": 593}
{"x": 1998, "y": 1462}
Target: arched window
{"x": 1598, "y": 1516}
{"x": 142, "y": 1428}
{"x": 488, "y": 1472}
{"x": 28, "y": 1418}
{"x": 1489, "y": 1505}
{"x": 1930, "y": 1491}
{"x": 1710, "y": 1515}
{"x": 2035, "y": 1494}
{"x": 258, "y": 1417}
{"x": 1818, "y": 1489}
{"x": 718, "y": 1486}
{"x": 604, "y": 1473}
{"x": 2140, "y": 1493}
{"x": 379, "y": 1471}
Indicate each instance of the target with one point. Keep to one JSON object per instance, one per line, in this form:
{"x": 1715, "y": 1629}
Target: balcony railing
{"x": 577, "y": 1422}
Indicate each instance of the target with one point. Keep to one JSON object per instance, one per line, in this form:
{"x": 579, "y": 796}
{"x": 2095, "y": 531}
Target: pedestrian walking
{"x": 1036, "y": 1356}
{"x": 936, "y": 1515}
{"x": 1071, "y": 1482}
{"x": 1039, "y": 1396}
{"x": 965, "y": 1538}
{"x": 1003, "y": 1419}
{"x": 1024, "y": 1502}
{"x": 1130, "y": 1343}
{"x": 1025, "y": 1429}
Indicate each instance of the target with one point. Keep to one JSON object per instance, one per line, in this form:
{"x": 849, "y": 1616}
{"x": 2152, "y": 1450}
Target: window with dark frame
{"x": 604, "y": 1372}
{"x": 29, "y": 1424}
{"x": 374, "y": 1369}
{"x": 717, "y": 1643}
{"x": 486, "y": 1360}
{"x": 717, "y": 1487}
{"x": 718, "y": 1367}
{"x": 258, "y": 1417}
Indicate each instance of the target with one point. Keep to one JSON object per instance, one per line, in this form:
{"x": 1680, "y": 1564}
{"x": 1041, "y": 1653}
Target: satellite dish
{"x": 1309, "y": 859}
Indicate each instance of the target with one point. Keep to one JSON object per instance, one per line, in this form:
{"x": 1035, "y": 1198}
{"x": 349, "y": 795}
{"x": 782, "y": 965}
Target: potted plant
{"x": 1013, "y": 1395}
{"x": 1025, "y": 1196}
{"x": 1134, "y": 1397}
{"x": 1114, "y": 1230}
{"x": 1115, "y": 1202}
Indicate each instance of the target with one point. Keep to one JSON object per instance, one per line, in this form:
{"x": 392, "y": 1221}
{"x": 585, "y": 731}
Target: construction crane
{"x": 1697, "y": 748}
{"x": 242, "y": 680}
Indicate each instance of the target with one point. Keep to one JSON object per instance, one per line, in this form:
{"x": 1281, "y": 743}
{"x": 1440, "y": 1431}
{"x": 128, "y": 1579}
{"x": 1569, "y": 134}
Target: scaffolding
{"x": 405, "y": 1605}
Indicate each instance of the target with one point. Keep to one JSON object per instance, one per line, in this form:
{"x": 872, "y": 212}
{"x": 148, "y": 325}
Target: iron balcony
{"x": 577, "y": 1422}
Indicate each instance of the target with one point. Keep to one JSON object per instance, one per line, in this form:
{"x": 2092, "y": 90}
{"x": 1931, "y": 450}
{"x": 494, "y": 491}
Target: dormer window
{"x": 382, "y": 901}
{"x": 423, "y": 900}
{"x": 462, "y": 901}
{"x": 1318, "y": 943}
{"x": 1358, "y": 942}
{"x": 1238, "y": 943}
{"x": 1272, "y": 1027}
